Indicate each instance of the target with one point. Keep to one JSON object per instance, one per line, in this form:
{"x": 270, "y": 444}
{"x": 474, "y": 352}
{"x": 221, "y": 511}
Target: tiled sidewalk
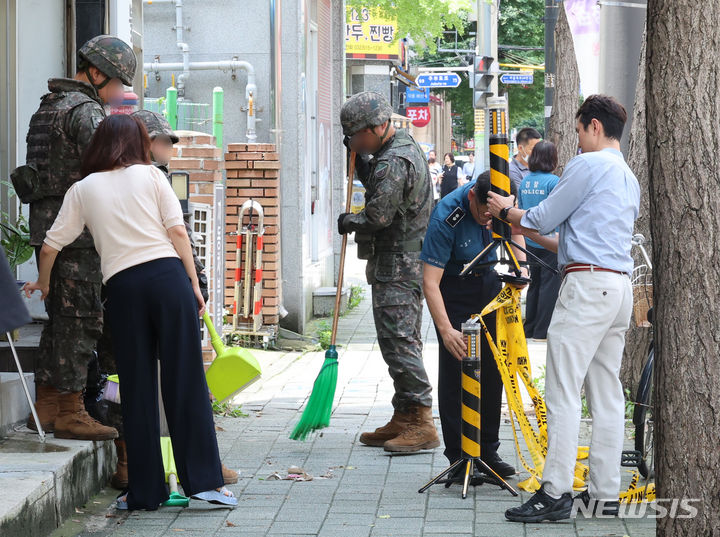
{"x": 356, "y": 491}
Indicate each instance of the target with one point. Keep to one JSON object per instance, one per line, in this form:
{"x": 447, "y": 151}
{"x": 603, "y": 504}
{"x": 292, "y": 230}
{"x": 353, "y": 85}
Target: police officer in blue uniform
{"x": 456, "y": 234}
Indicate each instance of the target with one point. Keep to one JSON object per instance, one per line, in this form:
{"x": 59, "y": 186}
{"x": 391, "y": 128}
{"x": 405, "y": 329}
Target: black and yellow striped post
{"x": 499, "y": 159}
{"x": 470, "y": 414}
{"x": 470, "y": 400}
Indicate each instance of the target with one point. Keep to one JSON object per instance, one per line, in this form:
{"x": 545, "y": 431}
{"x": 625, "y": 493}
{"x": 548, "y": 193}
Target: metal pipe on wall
{"x": 276, "y": 69}
{"x": 186, "y": 66}
{"x": 222, "y": 65}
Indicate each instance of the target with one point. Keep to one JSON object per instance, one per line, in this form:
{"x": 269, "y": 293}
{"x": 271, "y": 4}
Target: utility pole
{"x": 551, "y": 17}
{"x": 622, "y": 25}
{"x": 485, "y": 49}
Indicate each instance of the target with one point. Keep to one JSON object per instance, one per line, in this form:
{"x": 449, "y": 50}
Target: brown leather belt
{"x": 583, "y": 267}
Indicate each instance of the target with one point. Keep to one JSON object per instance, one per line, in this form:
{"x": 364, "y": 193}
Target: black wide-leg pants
{"x": 153, "y": 315}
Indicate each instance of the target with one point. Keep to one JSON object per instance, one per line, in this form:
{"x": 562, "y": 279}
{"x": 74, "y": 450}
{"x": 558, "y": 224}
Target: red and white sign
{"x": 419, "y": 115}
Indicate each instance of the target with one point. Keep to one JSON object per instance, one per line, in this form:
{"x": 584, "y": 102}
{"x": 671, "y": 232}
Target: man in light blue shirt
{"x": 594, "y": 205}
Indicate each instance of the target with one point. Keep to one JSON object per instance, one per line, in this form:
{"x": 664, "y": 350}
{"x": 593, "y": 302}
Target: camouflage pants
{"x": 397, "y": 309}
{"x": 69, "y": 337}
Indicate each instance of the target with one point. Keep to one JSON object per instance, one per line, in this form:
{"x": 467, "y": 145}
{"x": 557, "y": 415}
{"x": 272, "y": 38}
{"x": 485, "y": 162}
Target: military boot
{"x": 74, "y": 423}
{"x": 418, "y": 434}
{"x": 46, "y": 405}
{"x": 119, "y": 479}
{"x": 390, "y": 430}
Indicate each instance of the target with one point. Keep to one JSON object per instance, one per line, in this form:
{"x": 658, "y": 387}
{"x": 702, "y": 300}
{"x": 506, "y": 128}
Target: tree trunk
{"x": 683, "y": 74}
{"x": 561, "y": 128}
{"x": 638, "y": 338}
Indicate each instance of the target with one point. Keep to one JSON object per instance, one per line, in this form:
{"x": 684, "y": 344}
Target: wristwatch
{"x": 504, "y": 212}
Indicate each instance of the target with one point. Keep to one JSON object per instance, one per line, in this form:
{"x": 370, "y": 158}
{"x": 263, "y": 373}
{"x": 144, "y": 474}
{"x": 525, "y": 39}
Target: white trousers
{"x": 586, "y": 338}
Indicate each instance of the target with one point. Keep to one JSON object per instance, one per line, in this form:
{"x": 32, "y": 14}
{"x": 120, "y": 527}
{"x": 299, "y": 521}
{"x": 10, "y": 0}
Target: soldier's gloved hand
{"x": 341, "y": 230}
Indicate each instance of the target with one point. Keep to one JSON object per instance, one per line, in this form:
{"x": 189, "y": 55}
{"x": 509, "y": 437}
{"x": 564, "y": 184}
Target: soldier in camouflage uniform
{"x": 59, "y": 132}
{"x": 389, "y": 232}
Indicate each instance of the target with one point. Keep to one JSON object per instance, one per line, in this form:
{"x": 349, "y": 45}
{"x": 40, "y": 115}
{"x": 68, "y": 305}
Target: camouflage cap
{"x": 112, "y": 56}
{"x": 156, "y": 124}
{"x": 364, "y": 110}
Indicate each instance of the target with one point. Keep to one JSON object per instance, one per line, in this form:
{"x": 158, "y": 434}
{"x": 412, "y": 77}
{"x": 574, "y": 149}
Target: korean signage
{"x": 517, "y": 78}
{"x": 439, "y": 80}
{"x": 417, "y": 96}
{"x": 419, "y": 115}
{"x": 369, "y": 34}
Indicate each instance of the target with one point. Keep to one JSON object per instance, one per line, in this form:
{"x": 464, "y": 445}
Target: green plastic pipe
{"x": 171, "y": 106}
{"x": 218, "y": 96}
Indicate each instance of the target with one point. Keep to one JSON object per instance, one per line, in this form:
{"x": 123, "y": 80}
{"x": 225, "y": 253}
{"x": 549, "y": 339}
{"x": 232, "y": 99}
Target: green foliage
{"x": 462, "y": 104}
{"x": 228, "y": 410}
{"x": 539, "y": 381}
{"x": 357, "y": 293}
{"x": 324, "y": 334}
{"x": 629, "y": 405}
{"x": 423, "y": 20}
{"x": 521, "y": 24}
{"x": 15, "y": 236}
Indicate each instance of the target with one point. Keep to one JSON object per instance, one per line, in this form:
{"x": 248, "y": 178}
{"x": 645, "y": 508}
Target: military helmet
{"x": 156, "y": 124}
{"x": 112, "y": 56}
{"x": 364, "y": 110}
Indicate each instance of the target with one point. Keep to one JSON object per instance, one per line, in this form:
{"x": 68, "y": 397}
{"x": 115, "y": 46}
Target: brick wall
{"x": 197, "y": 154}
{"x": 253, "y": 173}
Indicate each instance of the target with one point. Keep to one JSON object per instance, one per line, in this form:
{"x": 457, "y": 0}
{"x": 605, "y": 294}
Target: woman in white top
{"x": 153, "y": 302}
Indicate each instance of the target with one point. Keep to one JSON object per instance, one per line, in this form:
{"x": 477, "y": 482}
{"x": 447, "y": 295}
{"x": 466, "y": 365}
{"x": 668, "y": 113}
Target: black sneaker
{"x": 609, "y": 507}
{"x": 499, "y": 466}
{"x": 541, "y": 507}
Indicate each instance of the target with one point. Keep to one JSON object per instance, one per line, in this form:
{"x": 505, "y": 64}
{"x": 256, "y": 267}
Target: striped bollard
{"x": 499, "y": 159}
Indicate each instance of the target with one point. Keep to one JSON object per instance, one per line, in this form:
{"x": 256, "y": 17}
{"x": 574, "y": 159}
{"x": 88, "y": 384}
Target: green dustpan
{"x": 176, "y": 499}
{"x": 233, "y": 369}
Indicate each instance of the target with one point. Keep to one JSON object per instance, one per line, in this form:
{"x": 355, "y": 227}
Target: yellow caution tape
{"x": 511, "y": 356}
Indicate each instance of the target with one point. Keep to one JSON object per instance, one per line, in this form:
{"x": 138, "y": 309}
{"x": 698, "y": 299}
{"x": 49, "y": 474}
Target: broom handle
{"x": 215, "y": 339}
{"x": 341, "y": 270}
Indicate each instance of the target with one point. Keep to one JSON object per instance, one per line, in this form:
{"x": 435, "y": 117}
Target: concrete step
{"x": 14, "y": 407}
{"x": 26, "y": 347}
{"x": 41, "y": 485}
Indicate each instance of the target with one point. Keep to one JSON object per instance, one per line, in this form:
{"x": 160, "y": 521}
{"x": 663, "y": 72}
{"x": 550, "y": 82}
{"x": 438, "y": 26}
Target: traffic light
{"x": 483, "y": 77}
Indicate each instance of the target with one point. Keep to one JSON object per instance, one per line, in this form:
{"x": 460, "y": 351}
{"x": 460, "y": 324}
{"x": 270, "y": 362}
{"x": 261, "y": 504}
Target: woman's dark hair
{"x": 119, "y": 141}
{"x": 608, "y": 111}
{"x": 543, "y": 157}
{"x": 452, "y": 157}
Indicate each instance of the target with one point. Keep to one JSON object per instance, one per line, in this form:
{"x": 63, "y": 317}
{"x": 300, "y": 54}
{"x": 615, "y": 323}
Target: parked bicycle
{"x": 643, "y": 456}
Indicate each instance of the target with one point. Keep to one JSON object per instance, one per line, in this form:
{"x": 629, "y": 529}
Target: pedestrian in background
{"x": 545, "y": 284}
{"x": 435, "y": 170}
{"x": 153, "y": 301}
{"x": 451, "y": 177}
{"x": 525, "y": 140}
{"x": 469, "y": 167}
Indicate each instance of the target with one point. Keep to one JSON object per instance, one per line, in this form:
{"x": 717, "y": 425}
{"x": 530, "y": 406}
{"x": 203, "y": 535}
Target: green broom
{"x": 319, "y": 407}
